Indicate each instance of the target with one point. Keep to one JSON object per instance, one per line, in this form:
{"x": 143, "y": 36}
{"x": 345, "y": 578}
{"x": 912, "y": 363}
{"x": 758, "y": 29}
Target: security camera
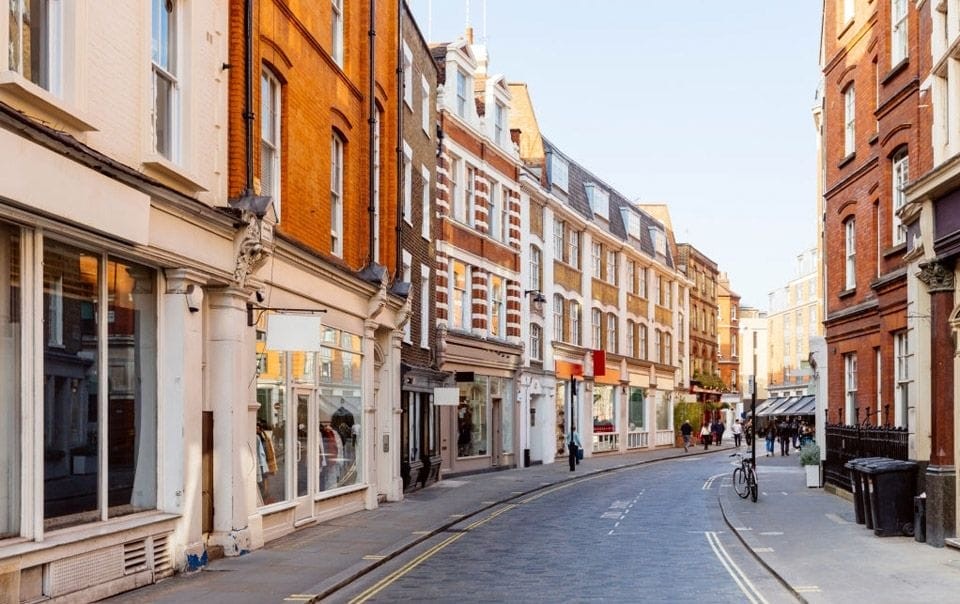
{"x": 260, "y": 296}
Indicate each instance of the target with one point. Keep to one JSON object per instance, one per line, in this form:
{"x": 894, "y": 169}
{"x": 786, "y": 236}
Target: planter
{"x": 813, "y": 475}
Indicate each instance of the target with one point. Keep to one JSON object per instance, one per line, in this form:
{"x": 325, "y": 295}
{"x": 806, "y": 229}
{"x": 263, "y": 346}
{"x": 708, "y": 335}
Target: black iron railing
{"x": 849, "y": 442}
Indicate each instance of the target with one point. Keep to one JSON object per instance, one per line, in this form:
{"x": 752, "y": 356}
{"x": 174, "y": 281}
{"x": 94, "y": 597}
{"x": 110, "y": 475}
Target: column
{"x": 230, "y": 370}
{"x": 180, "y": 412}
{"x": 941, "y": 472}
{"x": 371, "y": 393}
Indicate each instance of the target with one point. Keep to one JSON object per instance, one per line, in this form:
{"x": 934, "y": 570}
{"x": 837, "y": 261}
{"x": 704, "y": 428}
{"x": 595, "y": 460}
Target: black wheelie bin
{"x": 891, "y": 489}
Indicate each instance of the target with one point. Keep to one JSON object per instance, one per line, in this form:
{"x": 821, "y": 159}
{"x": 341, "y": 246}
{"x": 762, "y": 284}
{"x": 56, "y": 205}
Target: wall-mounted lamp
{"x": 538, "y": 297}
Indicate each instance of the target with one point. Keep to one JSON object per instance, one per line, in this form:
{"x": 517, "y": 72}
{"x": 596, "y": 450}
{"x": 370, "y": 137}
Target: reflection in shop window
{"x": 10, "y": 396}
{"x": 636, "y": 415}
{"x": 472, "y": 418}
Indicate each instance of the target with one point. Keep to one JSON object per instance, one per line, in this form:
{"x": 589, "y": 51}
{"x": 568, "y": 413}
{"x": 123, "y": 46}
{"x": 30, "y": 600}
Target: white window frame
{"x": 336, "y": 195}
{"x": 632, "y": 276}
{"x": 270, "y": 109}
{"x": 536, "y": 268}
{"x": 850, "y": 253}
{"x": 596, "y": 257}
{"x": 407, "y": 267}
{"x": 536, "y": 342}
{"x": 657, "y": 346}
{"x": 850, "y": 387}
{"x": 901, "y": 175}
{"x": 457, "y": 195}
{"x": 168, "y": 72}
{"x": 559, "y": 308}
{"x": 898, "y": 31}
{"x": 613, "y": 270}
{"x": 424, "y": 306}
{"x": 407, "y": 183}
{"x": 425, "y": 201}
{"x": 464, "y": 321}
{"x": 902, "y": 361}
{"x": 612, "y": 334}
{"x": 496, "y": 308}
{"x": 462, "y": 81}
{"x": 576, "y": 323}
{"x": 559, "y": 244}
{"x": 631, "y": 338}
{"x": 642, "y": 282}
{"x": 469, "y": 194}
{"x": 336, "y": 37}
{"x": 407, "y": 76}
{"x": 499, "y": 112}
{"x": 596, "y": 328}
{"x": 642, "y": 346}
{"x": 50, "y": 77}
{"x": 495, "y": 216}
{"x": 425, "y": 105}
{"x": 573, "y": 245}
{"x": 849, "y": 120}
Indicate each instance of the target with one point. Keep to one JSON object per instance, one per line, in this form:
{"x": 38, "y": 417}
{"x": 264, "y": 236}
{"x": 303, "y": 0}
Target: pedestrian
{"x": 783, "y": 433}
{"x": 748, "y": 432}
{"x": 795, "y": 433}
{"x": 770, "y": 436}
{"x": 737, "y": 430}
{"x": 705, "y": 435}
{"x": 721, "y": 428}
{"x": 686, "y": 430}
{"x": 573, "y": 444}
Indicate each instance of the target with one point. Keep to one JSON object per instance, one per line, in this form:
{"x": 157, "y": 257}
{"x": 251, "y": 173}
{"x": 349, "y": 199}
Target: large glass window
{"x": 500, "y": 395}
{"x": 98, "y": 421}
{"x": 636, "y": 415}
{"x": 35, "y": 41}
{"x": 165, "y": 71}
{"x": 271, "y": 425}
{"x": 604, "y": 409}
{"x": 11, "y": 268}
{"x": 339, "y": 411}
{"x": 472, "y": 423}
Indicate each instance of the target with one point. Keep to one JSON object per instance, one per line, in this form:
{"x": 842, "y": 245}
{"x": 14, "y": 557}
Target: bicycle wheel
{"x": 740, "y": 483}
{"x": 754, "y": 488}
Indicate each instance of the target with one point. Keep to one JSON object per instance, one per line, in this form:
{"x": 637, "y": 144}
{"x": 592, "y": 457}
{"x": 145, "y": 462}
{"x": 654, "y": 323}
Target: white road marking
{"x": 616, "y": 515}
{"x": 763, "y": 550}
{"x": 709, "y": 483}
{"x": 807, "y": 588}
{"x": 748, "y": 588}
{"x": 772, "y": 533}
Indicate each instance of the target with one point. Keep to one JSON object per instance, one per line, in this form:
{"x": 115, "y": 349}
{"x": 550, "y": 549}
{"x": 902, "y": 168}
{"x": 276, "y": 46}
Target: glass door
{"x": 305, "y": 446}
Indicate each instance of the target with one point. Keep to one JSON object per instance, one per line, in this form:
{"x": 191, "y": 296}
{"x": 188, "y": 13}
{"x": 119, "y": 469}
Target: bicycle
{"x": 745, "y": 478}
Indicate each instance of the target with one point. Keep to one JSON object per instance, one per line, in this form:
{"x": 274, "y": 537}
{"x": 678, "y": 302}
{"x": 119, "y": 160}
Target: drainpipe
{"x": 372, "y": 122}
{"x": 400, "y": 172}
{"x": 248, "y": 92}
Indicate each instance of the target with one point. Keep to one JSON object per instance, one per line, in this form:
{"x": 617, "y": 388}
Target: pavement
{"x": 807, "y": 537}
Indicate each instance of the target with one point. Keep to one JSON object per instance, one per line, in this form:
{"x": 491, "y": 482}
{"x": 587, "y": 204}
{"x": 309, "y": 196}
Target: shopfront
{"x": 485, "y": 420}
{"x": 420, "y": 458}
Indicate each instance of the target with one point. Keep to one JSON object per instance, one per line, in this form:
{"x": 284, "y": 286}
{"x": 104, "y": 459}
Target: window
{"x": 849, "y": 120}
{"x": 472, "y": 421}
{"x": 470, "y": 196}
{"x": 11, "y": 325}
{"x": 733, "y": 312}
{"x": 165, "y": 94}
{"x": 658, "y": 290}
{"x": 336, "y": 39}
{"x": 425, "y": 105}
{"x": 643, "y": 352}
{"x": 733, "y": 346}
{"x": 659, "y": 240}
{"x": 426, "y": 214}
{"x": 596, "y": 328}
{"x": 668, "y": 348}
{"x": 461, "y": 94}
{"x": 536, "y": 342}
{"x": 558, "y": 243}
{"x": 631, "y": 338}
{"x": 536, "y": 268}
{"x": 270, "y": 137}
{"x": 498, "y": 122}
{"x": 455, "y": 177}
{"x": 898, "y": 31}
{"x": 901, "y": 395}
{"x": 631, "y": 276}
{"x": 612, "y": 276}
{"x": 559, "y": 171}
{"x": 642, "y": 282}
{"x": 612, "y": 340}
{"x": 900, "y": 178}
{"x": 496, "y": 320}
{"x": 850, "y": 388}
{"x": 35, "y": 40}
{"x": 407, "y": 76}
{"x": 407, "y": 262}
{"x": 599, "y": 200}
{"x": 110, "y": 314}
{"x": 425, "y": 303}
{"x": 636, "y": 415}
{"x": 558, "y": 307}
{"x": 574, "y": 253}
{"x": 850, "y": 246}
{"x": 668, "y": 294}
{"x": 576, "y": 324}
{"x": 407, "y": 178}
{"x": 657, "y": 346}
{"x": 596, "y": 254}
{"x": 336, "y": 195}
{"x": 496, "y": 217}
{"x": 460, "y": 296}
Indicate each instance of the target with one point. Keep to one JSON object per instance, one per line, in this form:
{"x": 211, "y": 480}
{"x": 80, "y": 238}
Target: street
{"x": 651, "y": 533}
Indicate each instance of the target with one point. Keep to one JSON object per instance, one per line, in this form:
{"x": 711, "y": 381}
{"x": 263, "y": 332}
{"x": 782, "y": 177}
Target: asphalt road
{"x": 651, "y": 533}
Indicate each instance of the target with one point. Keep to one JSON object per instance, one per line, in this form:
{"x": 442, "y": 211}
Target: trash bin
{"x": 526, "y": 458}
{"x": 891, "y": 496}
{"x": 861, "y": 489}
{"x": 868, "y": 486}
{"x": 920, "y": 517}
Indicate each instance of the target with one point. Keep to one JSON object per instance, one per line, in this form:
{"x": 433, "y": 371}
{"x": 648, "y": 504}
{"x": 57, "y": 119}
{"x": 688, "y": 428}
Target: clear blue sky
{"x": 702, "y": 105}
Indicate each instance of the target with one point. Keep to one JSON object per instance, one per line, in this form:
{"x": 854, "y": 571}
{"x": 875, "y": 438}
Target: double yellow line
{"x": 409, "y": 566}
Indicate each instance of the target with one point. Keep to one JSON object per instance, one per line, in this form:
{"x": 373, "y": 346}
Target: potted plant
{"x": 810, "y": 460}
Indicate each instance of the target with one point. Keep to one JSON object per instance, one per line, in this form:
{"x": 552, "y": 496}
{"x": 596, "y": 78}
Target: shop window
{"x": 11, "y": 268}
{"x": 472, "y": 423}
{"x": 637, "y": 412}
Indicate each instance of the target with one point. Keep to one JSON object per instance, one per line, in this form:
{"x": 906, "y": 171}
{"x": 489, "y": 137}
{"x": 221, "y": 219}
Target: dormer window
{"x": 461, "y": 94}
{"x": 632, "y": 222}
{"x": 659, "y": 240}
{"x": 499, "y": 113}
{"x": 599, "y": 200}
{"x": 559, "y": 171}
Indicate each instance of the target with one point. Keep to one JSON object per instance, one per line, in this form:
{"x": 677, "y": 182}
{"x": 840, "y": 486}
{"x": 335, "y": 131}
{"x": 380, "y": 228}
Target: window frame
{"x": 167, "y": 71}
{"x": 900, "y": 167}
{"x": 850, "y": 387}
{"x": 337, "y": 146}
{"x": 596, "y": 328}
{"x": 849, "y": 120}
{"x": 850, "y": 253}
{"x": 536, "y": 268}
{"x": 336, "y": 35}
{"x": 899, "y": 24}
{"x": 272, "y": 84}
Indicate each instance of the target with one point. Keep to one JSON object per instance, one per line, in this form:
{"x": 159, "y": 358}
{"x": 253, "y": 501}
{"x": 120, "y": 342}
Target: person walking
{"x": 737, "y": 430}
{"x": 573, "y": 444}
{"x": 705, "y": 435}
{"x": 770, "y": 436}
{"x": 686, "y": 430}
{"x": 783, "y": 433}
{"x": 721, "y": 428}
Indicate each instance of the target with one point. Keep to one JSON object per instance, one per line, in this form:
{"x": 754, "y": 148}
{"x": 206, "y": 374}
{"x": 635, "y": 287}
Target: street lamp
{"x": 538, "y": 299}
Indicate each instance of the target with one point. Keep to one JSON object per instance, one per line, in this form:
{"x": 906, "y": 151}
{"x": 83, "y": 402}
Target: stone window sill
{"x": 47, "y": 104}
{"x": 164, "y": 169}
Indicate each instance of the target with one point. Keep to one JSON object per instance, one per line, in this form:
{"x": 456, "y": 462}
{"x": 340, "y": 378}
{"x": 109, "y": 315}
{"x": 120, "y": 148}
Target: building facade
{"x": 728, "y": 334}
{"x": 753, "y": 352}
{"x": 417, "y": 160}
{"x": 794, "y": 319}
{"x": 704, "y": 312}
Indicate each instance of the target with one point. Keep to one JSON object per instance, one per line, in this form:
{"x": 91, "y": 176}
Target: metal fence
{"x": 849, "y": 442}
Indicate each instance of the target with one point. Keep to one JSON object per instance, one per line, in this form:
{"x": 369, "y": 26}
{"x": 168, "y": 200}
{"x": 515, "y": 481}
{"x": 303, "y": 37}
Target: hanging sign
{"x": 294, "y": 332}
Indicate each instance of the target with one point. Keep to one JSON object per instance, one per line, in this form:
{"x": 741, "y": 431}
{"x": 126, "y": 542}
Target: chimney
{"x": 469, "y": 35}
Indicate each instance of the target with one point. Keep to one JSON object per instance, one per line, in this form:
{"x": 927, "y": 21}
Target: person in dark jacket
{"x": 573, "y": 444}
{"x": 686, "y": 430}
{"x": 783, "y": 433}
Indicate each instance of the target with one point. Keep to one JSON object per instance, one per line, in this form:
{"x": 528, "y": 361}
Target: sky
{"x": 703, "y": 105}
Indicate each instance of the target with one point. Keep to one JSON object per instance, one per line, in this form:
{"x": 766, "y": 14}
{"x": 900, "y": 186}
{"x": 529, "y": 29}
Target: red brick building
{"x": 873, "y": 61}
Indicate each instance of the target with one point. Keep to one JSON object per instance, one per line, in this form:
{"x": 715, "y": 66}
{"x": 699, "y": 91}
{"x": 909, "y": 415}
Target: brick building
{"x": 704, "y": 312}
{"x": 872, "y": 72}
{"x": 477, "y": 240}
{"x": 728, "y": 334}
{"x": 420, "y": 420}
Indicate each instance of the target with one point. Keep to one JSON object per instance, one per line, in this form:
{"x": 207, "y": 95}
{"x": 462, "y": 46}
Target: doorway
{"x": 306, "y": 445}
{"x": 496, "y": 433}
